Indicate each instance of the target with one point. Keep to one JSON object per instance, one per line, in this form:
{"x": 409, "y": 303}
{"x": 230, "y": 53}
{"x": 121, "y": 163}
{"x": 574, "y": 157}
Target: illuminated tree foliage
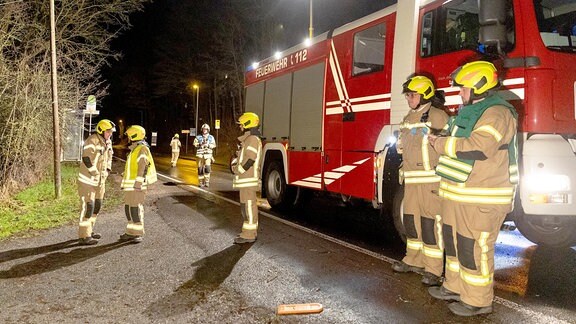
{"x": 84, "y": 30}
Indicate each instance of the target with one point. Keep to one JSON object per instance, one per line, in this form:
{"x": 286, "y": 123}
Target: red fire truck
{"x": 330, "y": 109}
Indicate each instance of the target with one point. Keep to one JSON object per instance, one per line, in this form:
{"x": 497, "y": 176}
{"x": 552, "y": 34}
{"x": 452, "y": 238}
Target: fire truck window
{"x": 557, "y": 24}
{"x": 426, "y": 36}
{"x": 369, "y": 50}
{"x": 455, "y": 27}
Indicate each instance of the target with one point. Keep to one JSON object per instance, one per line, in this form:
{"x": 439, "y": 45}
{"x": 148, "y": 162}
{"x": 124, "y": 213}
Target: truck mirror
{"x": 492, "y": 19}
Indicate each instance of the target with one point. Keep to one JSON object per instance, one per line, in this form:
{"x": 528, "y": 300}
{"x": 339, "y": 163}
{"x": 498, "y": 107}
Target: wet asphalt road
{"x": 535, "y": 277}
{"x": 188, "y": 271}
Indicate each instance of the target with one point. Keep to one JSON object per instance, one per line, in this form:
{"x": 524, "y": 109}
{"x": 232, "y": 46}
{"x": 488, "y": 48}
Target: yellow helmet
{"x": 249, "y": 120}
{"x": 104, "y": 125}
{"x": 480, "y": 76}
{"x": 176, "y": 136}
{"x": 419, "y": 84}
{"x": 136, "y": 133}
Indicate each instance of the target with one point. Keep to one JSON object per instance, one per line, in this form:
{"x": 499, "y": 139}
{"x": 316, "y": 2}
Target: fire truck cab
{"x": 330, "y": 109}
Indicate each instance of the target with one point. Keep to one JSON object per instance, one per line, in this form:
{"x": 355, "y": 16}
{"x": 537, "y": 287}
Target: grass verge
{"x": 35, "y": 208}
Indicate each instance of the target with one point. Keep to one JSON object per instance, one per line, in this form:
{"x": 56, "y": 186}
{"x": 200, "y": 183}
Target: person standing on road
{"x": 94, "y": 169}
{"x": 478, "y": 166}
{"x": 139, "y": 173}
{"x": 422, "y": 213}
{"x": 246, "y": 169}
{"x": 204, "y": 144}
{"x": 175, "y": 145}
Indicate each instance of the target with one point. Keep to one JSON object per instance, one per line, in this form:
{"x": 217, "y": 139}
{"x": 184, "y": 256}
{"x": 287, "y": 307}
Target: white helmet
{"x": 205, "y": 126}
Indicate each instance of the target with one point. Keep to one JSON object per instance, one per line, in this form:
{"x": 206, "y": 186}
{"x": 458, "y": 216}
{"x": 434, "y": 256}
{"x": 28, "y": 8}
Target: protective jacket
{"x": 247, "y": 168}
{"x": 473, "y": 169}
{"x": 96, "y": 160}
{"x": 175, "y": 145}
{"x": 204, "y": 146}
{"x": 419, "y": 158}
{"x": 140, "y": 170}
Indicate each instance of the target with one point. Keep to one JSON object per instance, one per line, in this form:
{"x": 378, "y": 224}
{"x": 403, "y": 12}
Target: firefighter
{"x": 422, "y": 214}
{"x": 139, "y": 173}
{"x": 175, "y": 145}
{"x": 94, "y": 169}
{"x": 246, "y": 169}
{"x": 204, "y": 144}
{"x": 478, "y": 166}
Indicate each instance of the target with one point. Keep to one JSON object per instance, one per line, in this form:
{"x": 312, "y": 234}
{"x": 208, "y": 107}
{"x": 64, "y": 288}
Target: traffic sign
{"x": 91, "y": 103}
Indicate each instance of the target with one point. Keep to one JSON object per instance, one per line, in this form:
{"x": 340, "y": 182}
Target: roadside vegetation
{"x": 84, "y": 31}
{"x": 36, "y": 209}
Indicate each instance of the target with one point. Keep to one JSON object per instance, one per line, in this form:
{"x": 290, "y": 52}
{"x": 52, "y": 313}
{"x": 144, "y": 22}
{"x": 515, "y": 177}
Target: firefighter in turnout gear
{"x": 422, "y": 217}
{"x": 139, "y": 173}
{"x": 94, "y": 169}
{"x": 175, "y": 145}
{"x": 246, "y": 169}
{"x": 204, "y": 144}
{"x": 478, "y": 166}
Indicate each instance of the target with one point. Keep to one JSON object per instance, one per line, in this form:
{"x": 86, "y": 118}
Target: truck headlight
{"x": 548, "y": 189}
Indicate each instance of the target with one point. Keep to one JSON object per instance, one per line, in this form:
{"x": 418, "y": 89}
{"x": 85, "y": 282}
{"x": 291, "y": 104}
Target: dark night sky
{"x": 137, "y": 44}
{"x": 293, "y": 14}
{"x": 328, "y": 14}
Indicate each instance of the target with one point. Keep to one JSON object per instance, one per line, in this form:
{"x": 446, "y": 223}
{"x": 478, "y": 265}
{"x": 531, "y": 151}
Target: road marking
{"x": 540, "y": 317}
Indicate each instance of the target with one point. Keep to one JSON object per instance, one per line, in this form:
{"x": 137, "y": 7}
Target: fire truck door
{"x": 332, "y": 158}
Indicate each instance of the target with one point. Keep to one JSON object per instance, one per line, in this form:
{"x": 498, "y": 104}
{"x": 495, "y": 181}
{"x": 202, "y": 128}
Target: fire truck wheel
{"x": 559, "y": 232}
{"x": 279, "y": 194}
{"x": 398, "y": 211}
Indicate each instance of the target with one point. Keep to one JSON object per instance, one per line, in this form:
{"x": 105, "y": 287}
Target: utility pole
{"x": 55, "y": 117}
{"x": 311, "y": 29}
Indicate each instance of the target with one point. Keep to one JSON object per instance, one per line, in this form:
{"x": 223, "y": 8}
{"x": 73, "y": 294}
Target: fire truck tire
{"x": 562, "y": 234}
{"x": 279, "y": 194}
{"x": 398, "y": 212}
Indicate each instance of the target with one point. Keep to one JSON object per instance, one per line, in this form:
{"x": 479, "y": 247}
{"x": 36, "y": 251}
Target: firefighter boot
{"x": 463, "y": 309}
{"x": 132, "y": 238}
{"x": 443, "y": 293}
{"x": 430, "y": 279}
{"x": 242, "y": 240}
{"x": 87, "y": 241}
{"x": 404, "y": 267}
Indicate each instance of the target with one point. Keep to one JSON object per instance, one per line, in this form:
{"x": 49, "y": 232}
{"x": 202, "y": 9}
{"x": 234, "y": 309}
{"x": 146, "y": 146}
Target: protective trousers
{"x": 204, "y": 168}
{"x": 423, "y": 223}
{"x": 175, "y": 156}
{"x": 470, "y": 232}
{"x": 100, "y": 191}
{"x": 87, "y": 195}
{"x": 134, "y": 210}
{"x": 249, "y": 210}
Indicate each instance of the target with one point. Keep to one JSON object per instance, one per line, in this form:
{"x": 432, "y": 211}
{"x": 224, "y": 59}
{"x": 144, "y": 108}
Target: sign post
{"x": 186, "y": 131}
{"x": 217, "y": 127}
{"x": 154, "y": 138}
{"x": 91, "y": 110}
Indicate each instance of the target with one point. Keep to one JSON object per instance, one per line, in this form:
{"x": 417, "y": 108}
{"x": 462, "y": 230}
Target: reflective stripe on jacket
{"x": 204, "y": 146}
{"x": 247, "y": 169}
{"x": 419, "y": 158}
{"x": 175, "y": 145}
{"x": 139, "y": 168}
{"x": 489, "y": 141}
{"x": 99, "y": 153}
{"x": 457, "y": 167}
